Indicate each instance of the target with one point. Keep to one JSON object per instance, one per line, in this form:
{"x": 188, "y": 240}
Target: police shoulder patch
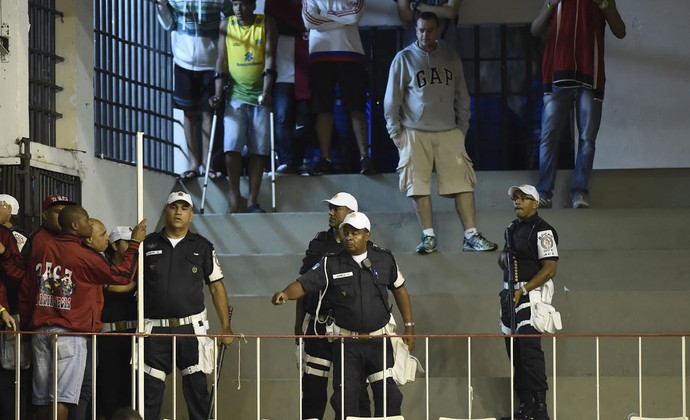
{"x": 381, "y": 249}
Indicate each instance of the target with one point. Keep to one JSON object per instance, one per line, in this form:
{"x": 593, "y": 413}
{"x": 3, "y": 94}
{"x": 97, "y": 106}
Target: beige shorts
{"x": 444, "y": 152}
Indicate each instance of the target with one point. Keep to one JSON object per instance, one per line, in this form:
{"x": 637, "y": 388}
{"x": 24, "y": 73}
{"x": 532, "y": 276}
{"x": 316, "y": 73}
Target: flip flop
{"x": 191, "y": 174}
{"x": 215, "y": 175}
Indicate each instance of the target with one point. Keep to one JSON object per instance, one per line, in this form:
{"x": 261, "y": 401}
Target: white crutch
{"x": 208, "y": 159}
{"x": 273, "y": 166}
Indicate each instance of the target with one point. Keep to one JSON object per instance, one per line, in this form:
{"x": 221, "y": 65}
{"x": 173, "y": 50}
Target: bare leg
{"x": 192, "y": 136}
{"x": 233, "y": 163}
{"x": 324, "y": 131}
{"x": 464, "y": 206}
{"x": 45, "y": 412}
{"x": 361, "y": 129}
{"x": 256, "y": 170}
{"x": 423, "y": 209}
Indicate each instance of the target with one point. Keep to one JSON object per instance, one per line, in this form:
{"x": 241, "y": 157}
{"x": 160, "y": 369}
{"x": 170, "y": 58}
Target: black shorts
{"x": 350, "y": 77}
{"x": 193, "y": 89}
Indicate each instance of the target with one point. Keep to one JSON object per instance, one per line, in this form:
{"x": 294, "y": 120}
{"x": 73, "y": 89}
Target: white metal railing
{"x": 137, "y": 342}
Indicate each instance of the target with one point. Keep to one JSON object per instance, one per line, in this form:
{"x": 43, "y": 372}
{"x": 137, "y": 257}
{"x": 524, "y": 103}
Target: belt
{"x": 118, "y": 326}
{"x": 176, "y": 322}
{"x": 363, "y": 335}
{"x": 516, "y": 285}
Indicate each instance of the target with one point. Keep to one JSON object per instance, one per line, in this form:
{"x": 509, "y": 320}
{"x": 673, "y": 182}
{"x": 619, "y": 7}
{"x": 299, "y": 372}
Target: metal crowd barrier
{"x": 421, "y": 339}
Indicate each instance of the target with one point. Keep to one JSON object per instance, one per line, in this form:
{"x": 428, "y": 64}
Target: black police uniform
{"x": 174, "y": 279}
{"x": 528, "y": 241}
{"x": 320, "y": 352}
{"x": 359, "y": 303}
{"x": 115, "y": 353}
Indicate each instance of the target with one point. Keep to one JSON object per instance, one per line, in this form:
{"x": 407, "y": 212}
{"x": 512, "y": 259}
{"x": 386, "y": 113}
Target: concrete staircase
{"x": 622, "y": 271}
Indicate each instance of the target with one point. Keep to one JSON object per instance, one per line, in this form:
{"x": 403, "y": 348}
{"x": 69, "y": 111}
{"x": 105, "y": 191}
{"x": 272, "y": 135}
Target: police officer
{"x": 319, "y": 357}
{"x": 177, "y": 263}
{"x": 355, "y": 281}
{"x": 528, "y": 261}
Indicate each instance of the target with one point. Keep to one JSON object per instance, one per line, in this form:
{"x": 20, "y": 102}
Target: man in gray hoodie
{"x": 427, "y": 110}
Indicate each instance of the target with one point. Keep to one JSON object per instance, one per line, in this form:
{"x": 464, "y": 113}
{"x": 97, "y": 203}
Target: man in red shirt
{"x": 573, "y": 76}
{"x": 69, "y": 299}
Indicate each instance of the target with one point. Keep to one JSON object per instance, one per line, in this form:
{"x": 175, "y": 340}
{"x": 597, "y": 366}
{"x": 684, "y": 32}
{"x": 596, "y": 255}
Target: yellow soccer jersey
{"x": 246, "y": 47}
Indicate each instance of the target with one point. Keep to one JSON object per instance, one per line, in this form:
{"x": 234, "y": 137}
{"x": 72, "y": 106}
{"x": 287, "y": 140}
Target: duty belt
{"x": 516, "y": 285}
{"x": 364, "y": 335}
{"x": 118, "y": 326}
{"x": 176, "y": 322}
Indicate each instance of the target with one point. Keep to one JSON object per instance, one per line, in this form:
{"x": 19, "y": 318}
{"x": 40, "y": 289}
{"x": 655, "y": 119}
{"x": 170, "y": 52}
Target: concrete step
{"x": 576, "y": 398}
{"x": 593, "y": 229}
{"x": 620, "y": 188}
{"x": 616, "y": 271}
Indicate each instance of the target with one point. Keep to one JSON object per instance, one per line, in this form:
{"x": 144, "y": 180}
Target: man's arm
{"x": 346, "y": 16}
{"x": 293, "y": 291}
{"x": 11, "y": 260}
{"x": 402, "y": 299}
{"x": 220, "y": 302}
{"x": 541, "y": 22}
{"x": 545, "y": 273}
{"x": 613, "y": 18}
{"x": 462, "y": 99}
{"x": 313, "y": 18}
{"x": 216, "y": 101}
{"x": 165, "y": 14}
{"x": 446, "y": 11}
{"x": 270, "y": 74}
{"x": 392, "y": 101}
{"x": 102, "y": 272}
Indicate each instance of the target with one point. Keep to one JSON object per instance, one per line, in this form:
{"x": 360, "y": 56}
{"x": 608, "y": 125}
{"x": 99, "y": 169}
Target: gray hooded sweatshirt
{"x": 426, "y": 91}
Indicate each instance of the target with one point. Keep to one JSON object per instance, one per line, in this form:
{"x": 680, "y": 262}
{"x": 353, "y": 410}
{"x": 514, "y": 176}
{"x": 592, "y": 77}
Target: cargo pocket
{"x": 470, "y": 176}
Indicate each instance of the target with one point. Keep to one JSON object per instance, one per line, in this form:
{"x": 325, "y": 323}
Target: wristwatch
{"x": 604, "y": 4}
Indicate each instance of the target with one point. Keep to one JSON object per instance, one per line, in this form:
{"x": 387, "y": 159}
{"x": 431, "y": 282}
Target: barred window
{"x": 42, "y": 63}
{"x": 502, "y": 66}
{"x": 133, "y": 80}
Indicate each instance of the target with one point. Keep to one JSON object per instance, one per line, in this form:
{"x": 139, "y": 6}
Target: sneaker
{"x": 545, "y": 203}
{"x": 427, "y": 246}
{"x": 324, "y": 166}
{"x": 580, "y": 201}
{"x": 288, "y": 169}
{"x": 255, "y": 208}
{"x": 367, "y": 166}
{"x": 478, "y": 243}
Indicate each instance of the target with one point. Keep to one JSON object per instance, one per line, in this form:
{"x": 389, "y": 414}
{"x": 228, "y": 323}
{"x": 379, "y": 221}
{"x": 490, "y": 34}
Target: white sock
{"x": 428, "y": 232}
{"x": 470, "y": 233}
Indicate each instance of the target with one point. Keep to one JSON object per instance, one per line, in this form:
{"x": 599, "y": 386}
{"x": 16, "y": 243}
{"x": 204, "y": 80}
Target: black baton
{"x": 219, "y": 367}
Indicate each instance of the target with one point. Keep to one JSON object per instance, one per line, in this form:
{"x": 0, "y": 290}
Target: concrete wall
{"x": 648, "y": 92}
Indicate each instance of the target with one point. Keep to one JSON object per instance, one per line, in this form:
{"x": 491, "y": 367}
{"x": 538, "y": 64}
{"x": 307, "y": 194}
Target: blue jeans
{"x": 557, "y": 108}
{"x": 284, "y": 107}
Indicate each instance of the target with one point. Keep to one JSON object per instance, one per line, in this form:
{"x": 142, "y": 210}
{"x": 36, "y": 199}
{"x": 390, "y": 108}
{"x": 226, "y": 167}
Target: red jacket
{"x": 68, "y": 278}
{"x": 574, "y": 53}
{"x": 11, "y": 263}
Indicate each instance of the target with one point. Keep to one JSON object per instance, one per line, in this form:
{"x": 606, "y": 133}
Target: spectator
{"x": 445, "y": 10}
{"x": 119, "y": 316}
{"x": 359, "y": 296}
{"x": 427, "y": 110}
{"x": 291, "y": 94}
{"x": 573, "y": 77}
{"x": 41, "y": 238}
{"x": 246, "y": 51}
{"x": 337, "y": 58}
{"x": 176, "y": 266}
{"x": 193, "y": 27}
{"x": 70, "y": 299}
{"x": 9, "y": 285}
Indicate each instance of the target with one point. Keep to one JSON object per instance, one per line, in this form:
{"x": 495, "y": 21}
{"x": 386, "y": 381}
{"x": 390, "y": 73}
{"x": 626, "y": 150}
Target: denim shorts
{"x": 71, "y": 352}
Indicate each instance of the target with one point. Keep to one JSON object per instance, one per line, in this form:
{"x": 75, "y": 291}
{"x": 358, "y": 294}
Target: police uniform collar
{"x": 533, "y": 218}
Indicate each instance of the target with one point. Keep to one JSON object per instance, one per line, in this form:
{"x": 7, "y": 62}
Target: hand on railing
{"x": 228, "y": 337}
